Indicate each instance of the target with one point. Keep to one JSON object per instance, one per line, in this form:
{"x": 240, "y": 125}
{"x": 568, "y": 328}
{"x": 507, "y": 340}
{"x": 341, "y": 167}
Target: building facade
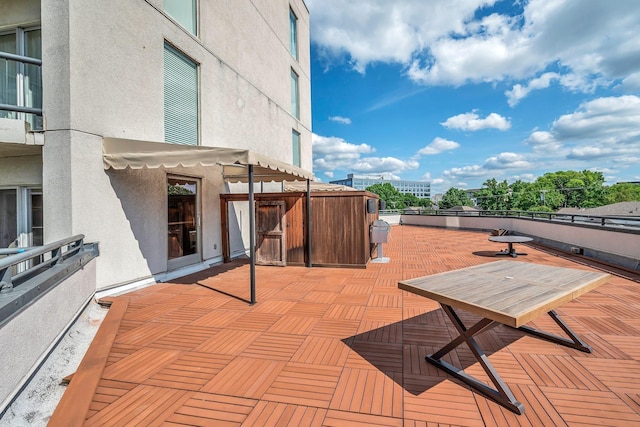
{"x": 420, "y": 189}
{"x": 76, "y": 74}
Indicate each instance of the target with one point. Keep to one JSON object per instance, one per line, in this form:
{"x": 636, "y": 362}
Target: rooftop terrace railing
{"x": 26, "y": 275}
{"x": 606, "y": 221}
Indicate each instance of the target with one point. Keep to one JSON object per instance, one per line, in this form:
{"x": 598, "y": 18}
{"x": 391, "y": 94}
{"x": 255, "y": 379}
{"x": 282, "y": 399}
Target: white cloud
{"x": 604, "y": 130}
{"x": 443, "y": 42}
{"x": 542, "y": 139}
{"x": 473, "y": 122}
{"x": 526, "y": 177}
{"x": 339, "y": 119}
{"x": 493, "y": 167}
{"x": 377, "y": 165}
{"x": 507, "y": 161}
{"x": 473, "y": 171}
{"x": 610, "y": 120}
{"x": 379, "y": 30}
{"x": 630, "y": 83}
{"x": 519, "y": 92}
{"x": 333, "y": 153}
{"x": 338, "y": 147}
{"x": 328, "y": 174}
{"x": 587, "y": 153}
{"x": 437, "y": 146}
{"x": 383, "y": 175}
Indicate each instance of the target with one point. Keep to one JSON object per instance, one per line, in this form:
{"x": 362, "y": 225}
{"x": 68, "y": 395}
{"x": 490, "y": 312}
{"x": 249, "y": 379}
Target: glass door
{"x": 183, "y": 222}
{"x": 21, "y": 221}
{"x": 8, "y": 218}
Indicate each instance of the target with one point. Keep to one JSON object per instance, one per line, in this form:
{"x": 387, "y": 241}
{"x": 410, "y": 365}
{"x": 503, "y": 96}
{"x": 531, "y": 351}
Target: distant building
{"x": 473, "y": 195}
{"x": 420, "y": 189}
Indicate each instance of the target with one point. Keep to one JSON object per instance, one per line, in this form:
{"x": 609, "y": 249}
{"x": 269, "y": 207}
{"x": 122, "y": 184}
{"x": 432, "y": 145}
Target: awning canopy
{"x": 128, "y": 153}
{"x": 237, "y": 166}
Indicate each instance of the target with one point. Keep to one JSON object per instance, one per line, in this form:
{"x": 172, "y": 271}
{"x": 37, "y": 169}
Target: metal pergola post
{"x": 252, "y": 236}
{"x": 308, "y": 223}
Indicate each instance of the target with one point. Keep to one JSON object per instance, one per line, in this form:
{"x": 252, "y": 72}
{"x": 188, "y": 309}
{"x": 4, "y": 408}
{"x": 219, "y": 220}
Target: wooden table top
{"x": 509, "y": 292}
{"x": 510, "y": 239}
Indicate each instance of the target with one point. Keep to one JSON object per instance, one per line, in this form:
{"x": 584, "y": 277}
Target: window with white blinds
{"x": 180, "y": 98}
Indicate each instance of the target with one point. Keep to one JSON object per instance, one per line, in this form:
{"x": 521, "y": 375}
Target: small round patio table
{"x": 510, "y": 240}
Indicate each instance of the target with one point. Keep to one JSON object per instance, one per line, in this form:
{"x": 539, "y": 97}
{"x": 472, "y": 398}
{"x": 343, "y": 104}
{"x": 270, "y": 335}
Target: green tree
{"x": 622, "y": 192}
{"x": 580, "y": 189}
{"x": 388, "y": 193}
{"x": 494, "y": 195}
{"x": 425, "y": 203}
{"x": 178, "y": 190}
{"x": 524, "y": 196}
{"x": 409, "y": 199}
{"x": 455, "y": 197}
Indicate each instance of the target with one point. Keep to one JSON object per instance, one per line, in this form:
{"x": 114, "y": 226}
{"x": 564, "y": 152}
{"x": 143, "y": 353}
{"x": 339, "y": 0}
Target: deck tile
{"x": 344, "y": 347}
{"x": 273, "y": 414}
{"x": 245, "y": 377}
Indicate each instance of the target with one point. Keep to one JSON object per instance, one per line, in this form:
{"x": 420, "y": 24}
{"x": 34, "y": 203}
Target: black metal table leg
{"x": 573, "y": 342}
{"x": 510, "y": 251}
{"x": 501, "y": 394}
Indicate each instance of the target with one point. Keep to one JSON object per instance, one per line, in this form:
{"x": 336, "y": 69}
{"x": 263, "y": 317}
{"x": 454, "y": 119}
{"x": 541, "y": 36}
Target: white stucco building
{"x": 212, "y": 73}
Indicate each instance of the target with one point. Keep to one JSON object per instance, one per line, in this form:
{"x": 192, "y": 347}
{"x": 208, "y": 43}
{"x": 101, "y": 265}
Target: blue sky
{"x": 456, "y": 92}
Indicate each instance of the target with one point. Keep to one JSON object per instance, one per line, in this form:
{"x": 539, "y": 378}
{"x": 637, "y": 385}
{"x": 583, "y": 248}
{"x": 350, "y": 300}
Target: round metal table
{"x": 510, "y": 240}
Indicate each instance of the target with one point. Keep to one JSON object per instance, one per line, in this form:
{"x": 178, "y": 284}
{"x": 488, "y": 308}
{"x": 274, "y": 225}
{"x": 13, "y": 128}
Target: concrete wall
{"x": 18, "y": 13}
{"x": 611, "y": 246}
{"x": 22, "y": 170}
{"x": 30, "y": 335}
{"x": 103, "y": 75}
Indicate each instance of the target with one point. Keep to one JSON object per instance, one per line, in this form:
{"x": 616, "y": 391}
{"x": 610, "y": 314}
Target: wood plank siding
{"x": 339, "y": 226}
{"x": 346, "y": 347}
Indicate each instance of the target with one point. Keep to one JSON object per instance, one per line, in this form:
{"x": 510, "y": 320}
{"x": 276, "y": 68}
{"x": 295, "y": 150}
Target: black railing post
{"x": 6, "y": 283}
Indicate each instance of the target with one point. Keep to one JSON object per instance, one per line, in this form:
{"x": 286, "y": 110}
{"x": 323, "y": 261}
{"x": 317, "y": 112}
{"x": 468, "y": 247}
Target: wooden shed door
{"x": 270, "y": 233}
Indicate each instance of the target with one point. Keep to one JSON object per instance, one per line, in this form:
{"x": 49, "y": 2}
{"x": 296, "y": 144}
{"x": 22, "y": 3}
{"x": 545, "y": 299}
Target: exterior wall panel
{"x": 103, "y": 77}
{"x": 339, "y": 226}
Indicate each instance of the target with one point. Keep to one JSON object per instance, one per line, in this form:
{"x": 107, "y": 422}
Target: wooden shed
{"x": 338, "y": 229}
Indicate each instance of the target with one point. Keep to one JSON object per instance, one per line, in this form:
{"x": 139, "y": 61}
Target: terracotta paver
{"x": 343, "y": 347}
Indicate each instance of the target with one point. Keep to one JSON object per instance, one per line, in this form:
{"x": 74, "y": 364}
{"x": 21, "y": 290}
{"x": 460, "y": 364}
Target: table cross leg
{"x": 501, "y": 394}
{"x": 573, "y": 342}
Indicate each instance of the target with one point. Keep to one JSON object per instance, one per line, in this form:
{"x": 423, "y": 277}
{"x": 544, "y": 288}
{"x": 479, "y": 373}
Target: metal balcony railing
{"x": 28, "y": 273}
{"x": 25, "y": 79}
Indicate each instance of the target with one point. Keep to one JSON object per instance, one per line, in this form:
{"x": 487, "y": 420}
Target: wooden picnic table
{"x": 502, "y": 292}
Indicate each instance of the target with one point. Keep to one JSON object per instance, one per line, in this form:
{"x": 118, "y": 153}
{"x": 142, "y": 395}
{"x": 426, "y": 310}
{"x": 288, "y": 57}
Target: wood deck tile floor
{"x": 344, "y": 347}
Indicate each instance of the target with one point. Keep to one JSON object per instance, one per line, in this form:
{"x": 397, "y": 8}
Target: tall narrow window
{"x": 185, "y": 12}
{"x": 293, "y": 34}
{"x": 295, "y": 144}
{"x": 21, "y": 83}
{"x": 180, "y": 98}
{"x": 295, "y": 104}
